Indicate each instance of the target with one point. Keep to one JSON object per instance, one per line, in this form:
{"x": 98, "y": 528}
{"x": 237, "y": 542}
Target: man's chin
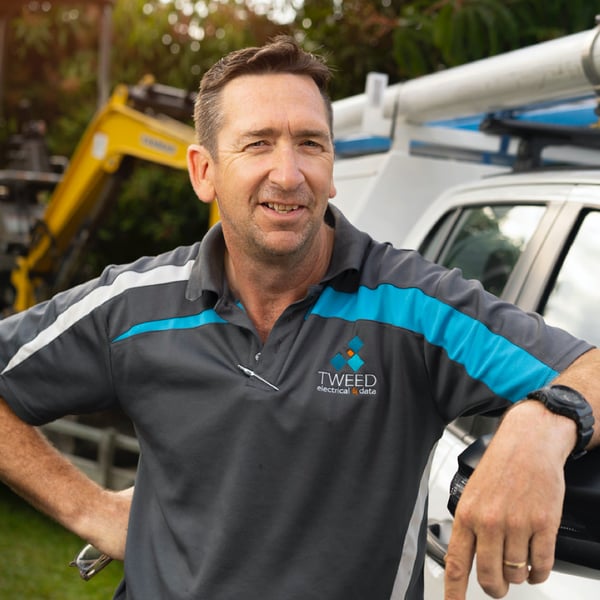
{"x": 279, "y": 247}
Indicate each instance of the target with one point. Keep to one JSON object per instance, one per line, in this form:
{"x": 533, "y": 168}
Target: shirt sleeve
{"x": 55, "y": 358}
{"x": 484, "y": 353}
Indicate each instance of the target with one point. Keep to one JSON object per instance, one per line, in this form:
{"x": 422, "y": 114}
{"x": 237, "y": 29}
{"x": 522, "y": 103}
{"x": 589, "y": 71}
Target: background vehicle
{"x": 533, "y": 239}
{"x": 503, "y": 130}
{"x": 400, "y": 146}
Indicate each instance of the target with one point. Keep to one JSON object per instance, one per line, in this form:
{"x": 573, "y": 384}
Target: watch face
{"x": 567, "y": 397}
{"x": 569, "y": 400}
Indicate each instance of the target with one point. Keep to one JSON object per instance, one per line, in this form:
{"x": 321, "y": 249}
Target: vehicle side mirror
{"x": 578, "y": 541}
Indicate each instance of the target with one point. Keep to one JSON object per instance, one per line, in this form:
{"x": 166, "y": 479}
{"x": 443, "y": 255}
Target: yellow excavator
{"x": 147, "y": 121}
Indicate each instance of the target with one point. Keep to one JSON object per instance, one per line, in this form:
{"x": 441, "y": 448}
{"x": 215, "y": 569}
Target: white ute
{"x": 414, "y": 165}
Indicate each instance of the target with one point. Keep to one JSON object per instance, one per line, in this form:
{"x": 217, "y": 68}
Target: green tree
{"x": 54, "y": 63}
{"x": 157, "y": 208}
{"x": 55, "y": 70}
{"x": 541, "y": 20}
{"x": 408, "y": 38}
{"x": 54, "y": 54}
{"x": 355, "y": 35}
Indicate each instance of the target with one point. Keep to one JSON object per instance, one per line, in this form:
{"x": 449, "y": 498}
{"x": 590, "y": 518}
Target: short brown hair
{"x": 282, "y": 55}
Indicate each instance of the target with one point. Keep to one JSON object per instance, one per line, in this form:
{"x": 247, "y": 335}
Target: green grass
{"x": 34, "y": 556}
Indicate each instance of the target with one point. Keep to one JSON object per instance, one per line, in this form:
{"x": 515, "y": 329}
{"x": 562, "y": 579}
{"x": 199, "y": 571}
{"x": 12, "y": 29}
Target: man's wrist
{"x": 532, "y": 418}
{"x": 567, "y": 402}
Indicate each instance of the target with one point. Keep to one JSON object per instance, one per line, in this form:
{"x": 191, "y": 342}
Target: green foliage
{"x": 56, "y": 69}
{"x": 177, "y": 47}
{"x": 155, "y": 210}
{"x": 55, "y": 52}
{"x": 545, "y": 20}
{"x": 354, "y": 34}
{"x": 466, "y": 30}
{"x": 54, "y": 64}
{"x": 412, "y": 49}
{"x": 405, "y": 38}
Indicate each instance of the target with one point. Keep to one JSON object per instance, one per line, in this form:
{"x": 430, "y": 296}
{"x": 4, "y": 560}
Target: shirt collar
{"x": 349, "y": 248}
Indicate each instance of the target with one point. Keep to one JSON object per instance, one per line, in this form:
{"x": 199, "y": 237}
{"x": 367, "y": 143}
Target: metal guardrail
{"x": 108, "y": 440}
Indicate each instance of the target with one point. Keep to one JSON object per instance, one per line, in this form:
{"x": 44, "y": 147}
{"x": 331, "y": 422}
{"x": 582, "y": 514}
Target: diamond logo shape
{"x": 351, "y": 358}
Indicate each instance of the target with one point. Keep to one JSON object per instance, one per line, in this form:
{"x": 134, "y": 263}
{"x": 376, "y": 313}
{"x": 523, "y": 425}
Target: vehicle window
{"x": 486, "y": 242}
{"x": 575, "y": 295}
{"x": 438, "y": 234}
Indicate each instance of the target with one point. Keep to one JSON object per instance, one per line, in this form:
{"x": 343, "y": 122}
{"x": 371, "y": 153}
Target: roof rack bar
{"x": 535, "y": 137}
{"x": 560, "y": 69}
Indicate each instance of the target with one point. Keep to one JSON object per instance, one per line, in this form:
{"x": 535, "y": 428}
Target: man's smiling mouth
{"x": 282, "y": 208}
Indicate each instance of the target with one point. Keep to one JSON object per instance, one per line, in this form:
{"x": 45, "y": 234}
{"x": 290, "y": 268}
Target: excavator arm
{"x": 143, "y": 122}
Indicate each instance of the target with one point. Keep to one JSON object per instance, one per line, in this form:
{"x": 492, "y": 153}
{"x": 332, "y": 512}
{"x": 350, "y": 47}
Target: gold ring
{"x": 514, "y": 565}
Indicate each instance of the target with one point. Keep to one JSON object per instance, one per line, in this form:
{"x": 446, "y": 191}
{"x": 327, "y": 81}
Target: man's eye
{"x": 311, "y": 144}
{"x": 257, "y": 144}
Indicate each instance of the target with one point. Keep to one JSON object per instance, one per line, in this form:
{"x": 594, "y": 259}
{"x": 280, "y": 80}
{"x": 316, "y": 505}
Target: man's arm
{"x": 32, "y": 467}
{"x": 511, "y": 508}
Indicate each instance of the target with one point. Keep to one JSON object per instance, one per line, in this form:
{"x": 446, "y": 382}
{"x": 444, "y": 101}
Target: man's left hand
{"x": 510, "y": 510}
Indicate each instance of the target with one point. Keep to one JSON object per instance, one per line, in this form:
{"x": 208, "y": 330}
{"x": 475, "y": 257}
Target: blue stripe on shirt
{"x": 189, "y": 322}
{"x": 507, "y": 369}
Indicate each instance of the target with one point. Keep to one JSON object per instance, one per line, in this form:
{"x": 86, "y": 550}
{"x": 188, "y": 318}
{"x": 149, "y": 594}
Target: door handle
{"x": 438, "y": 535}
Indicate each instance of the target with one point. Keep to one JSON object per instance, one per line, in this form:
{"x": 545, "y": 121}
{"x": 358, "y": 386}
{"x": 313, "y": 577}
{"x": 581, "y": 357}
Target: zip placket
{"x": 251, "y": 373}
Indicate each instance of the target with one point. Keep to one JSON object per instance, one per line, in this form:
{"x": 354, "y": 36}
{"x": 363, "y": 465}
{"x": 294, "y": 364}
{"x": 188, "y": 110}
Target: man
{"x": 288, "y": 378}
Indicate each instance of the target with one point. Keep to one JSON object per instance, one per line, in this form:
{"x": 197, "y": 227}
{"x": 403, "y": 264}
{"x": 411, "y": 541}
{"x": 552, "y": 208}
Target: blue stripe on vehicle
{"x": 189, "y": 322}
{"x": 507, "y": 369}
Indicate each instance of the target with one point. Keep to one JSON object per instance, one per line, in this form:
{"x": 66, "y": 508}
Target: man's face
{"x": 273, "y": 172}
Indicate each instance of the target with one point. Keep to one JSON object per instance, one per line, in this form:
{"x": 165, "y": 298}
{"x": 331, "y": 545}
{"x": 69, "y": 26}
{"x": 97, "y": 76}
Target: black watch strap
{"x": 565, "y": 401}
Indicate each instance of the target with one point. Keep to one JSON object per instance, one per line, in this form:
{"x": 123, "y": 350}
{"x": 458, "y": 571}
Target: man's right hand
{"x": 109, "y": 524}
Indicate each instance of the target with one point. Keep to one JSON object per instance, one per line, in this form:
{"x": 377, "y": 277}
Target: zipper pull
{"x": 251, "y": 373}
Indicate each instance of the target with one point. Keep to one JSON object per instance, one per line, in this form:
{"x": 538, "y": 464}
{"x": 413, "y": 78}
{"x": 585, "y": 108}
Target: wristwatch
{"x": 566, "y": 401}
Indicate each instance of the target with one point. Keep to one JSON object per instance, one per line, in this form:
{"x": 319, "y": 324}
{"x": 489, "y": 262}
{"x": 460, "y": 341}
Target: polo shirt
{"x": 293, "y": 469}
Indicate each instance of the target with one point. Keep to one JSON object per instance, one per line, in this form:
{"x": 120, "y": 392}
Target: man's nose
{"x": 286, "y": 170}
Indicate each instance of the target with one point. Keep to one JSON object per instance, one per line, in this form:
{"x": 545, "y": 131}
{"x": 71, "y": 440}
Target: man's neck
{"x": 267, "y": 289}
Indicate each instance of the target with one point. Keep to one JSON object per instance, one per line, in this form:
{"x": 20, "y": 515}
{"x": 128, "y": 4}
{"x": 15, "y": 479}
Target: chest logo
{"x": 347, "y": 376}
{"x": 350, "y": 357}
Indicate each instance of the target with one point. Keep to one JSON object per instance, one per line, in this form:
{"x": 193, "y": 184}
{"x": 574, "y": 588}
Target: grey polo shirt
{"x": 293, "y": 469}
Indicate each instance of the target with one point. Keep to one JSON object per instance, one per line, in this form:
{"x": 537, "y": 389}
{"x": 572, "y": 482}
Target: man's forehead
{"x": 260, "y": 80}
{"x": 273, "y": 93}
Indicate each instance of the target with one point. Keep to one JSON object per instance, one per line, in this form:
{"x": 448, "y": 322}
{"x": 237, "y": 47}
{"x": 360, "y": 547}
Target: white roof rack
{"x": 560, "y": 69}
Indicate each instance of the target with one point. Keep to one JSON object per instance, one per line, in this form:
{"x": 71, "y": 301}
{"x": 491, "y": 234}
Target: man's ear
{"x": 200, "y": 170}
{"x": 332, "y": 190}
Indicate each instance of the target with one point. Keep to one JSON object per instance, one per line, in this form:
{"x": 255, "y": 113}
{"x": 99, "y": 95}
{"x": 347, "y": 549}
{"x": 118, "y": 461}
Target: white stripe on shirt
{"x": 97, "y": 297}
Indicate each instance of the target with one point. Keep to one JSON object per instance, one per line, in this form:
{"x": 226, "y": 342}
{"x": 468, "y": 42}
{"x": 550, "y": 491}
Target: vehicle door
{"x": 529, "y": 251}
